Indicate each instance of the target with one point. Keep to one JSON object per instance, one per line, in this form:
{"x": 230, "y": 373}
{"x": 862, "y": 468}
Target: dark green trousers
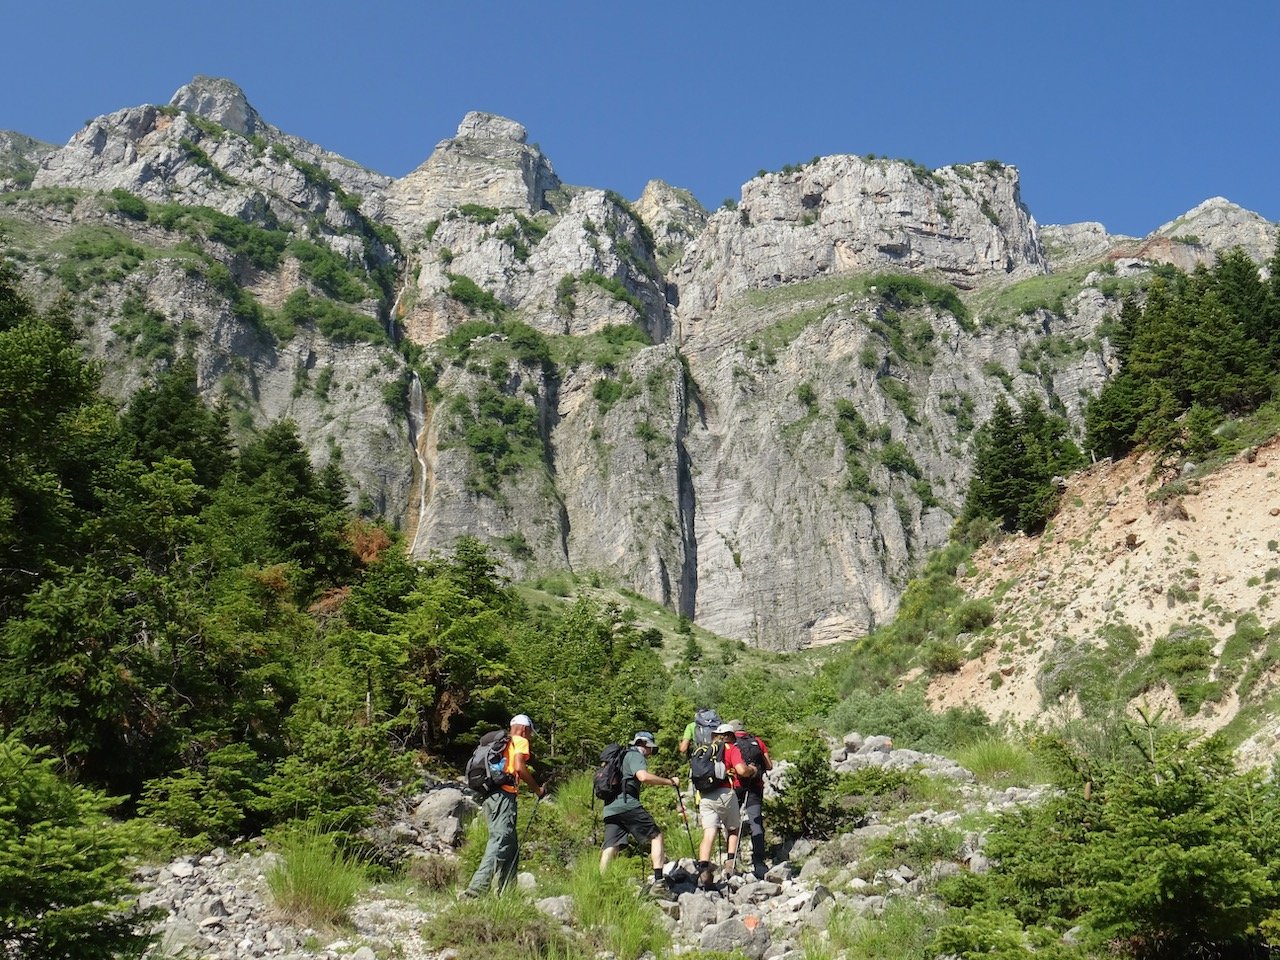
{"x": 501, "y": 853}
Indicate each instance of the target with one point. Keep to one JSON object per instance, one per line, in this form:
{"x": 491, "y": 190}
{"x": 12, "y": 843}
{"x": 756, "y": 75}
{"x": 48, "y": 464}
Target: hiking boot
{"x": 707, "y": 877}
{"x": 658, "y": 890}
{"x": 468, "y": 894}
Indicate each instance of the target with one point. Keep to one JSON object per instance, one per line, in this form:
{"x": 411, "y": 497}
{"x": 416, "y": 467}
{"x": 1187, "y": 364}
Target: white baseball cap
{"x": 522, "y": 720}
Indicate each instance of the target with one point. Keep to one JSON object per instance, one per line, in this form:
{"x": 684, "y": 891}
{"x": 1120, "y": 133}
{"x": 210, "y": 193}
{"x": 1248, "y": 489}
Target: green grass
{"x": 506, "y": 927}
{"x": 315, "y": 882}
{"x": 1049, "y": 292}
{"x": 997, "y": 761}
{"x": 903, "y": 932}
{"x": 608, "y": 909}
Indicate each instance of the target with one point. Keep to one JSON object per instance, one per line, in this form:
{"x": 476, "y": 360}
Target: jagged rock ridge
{"x": 725, "y": 412}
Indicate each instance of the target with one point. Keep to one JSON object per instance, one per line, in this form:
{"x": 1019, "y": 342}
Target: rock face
{"x": 843, "y": 215}
{"x": 20, "y": 156}
{"x": 760, "y": 416}
{"x": 487, "y": 163}
{"x": 1217, "y": 225}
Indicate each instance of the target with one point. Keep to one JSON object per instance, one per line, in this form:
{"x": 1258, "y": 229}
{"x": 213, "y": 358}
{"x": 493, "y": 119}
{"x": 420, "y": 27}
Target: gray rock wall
{"x": 776, "y": 463}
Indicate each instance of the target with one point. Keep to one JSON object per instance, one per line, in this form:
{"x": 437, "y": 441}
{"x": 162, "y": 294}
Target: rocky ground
{"x": 217, "y": 906}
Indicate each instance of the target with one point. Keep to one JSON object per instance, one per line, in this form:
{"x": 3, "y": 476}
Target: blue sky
{"x": 1129, "y": 113}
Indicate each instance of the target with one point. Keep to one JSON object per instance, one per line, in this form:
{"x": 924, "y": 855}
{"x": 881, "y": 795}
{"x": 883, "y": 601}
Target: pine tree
{"x": 64, "y": 883}
{"x": 169, "y": 419}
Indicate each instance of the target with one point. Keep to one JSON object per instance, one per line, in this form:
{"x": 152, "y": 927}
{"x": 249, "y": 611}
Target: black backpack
{"x": 751, "y": 751}
{"x": 706, "y": 767}
{"x": 607, "y": 781}
{"x": 486, "y": 770}
{"x": 705, "y": 722}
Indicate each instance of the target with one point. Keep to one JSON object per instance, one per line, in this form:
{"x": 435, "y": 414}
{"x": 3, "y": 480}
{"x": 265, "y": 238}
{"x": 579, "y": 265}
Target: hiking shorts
{"x": 635, "y": 821}
{"x": 720, "y": 806}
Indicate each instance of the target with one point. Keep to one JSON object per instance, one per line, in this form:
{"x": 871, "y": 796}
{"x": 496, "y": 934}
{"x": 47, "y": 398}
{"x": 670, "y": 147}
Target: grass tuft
{"x": 504, "y": 927}
{"x": 315, "y": 881}
{"x": 610, "y": 911}
{"x": 997, "y": 761}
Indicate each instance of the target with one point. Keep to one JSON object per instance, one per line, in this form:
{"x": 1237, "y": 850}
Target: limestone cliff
{"x": 759, "y": 416}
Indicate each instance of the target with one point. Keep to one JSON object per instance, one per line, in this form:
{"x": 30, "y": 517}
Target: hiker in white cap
{"x": 718, "y": 805}
{"x": 502, "y": 853}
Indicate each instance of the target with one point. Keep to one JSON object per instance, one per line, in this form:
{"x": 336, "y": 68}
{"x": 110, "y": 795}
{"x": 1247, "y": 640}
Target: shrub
{"x": 973, "y": 615}
{"x": 478, "y": 213}
{"x": 805, "y": 806}
{"x": 64, "y": 885}
{"x": 943, "y": 656}
{"x": 471, "y": 295}
{"x": 1167, "y": 855}
{"x": 615, "y": 288}
{"x": 908, "y": 720}
{"x": 208, "y": 805}
{"x": 331, "y": 272}
{"x": 128, "y": 204}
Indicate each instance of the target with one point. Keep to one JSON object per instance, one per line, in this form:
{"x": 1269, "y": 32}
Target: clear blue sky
{"x": 1129, "y": 112}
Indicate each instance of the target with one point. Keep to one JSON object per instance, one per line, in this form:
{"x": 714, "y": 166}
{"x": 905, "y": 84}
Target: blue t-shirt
{"x": 629, "y": 798}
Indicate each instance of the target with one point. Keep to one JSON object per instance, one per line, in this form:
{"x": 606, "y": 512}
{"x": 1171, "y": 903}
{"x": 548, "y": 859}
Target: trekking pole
{"x": 529, "y": 823}
{"x": 684, "y": 815}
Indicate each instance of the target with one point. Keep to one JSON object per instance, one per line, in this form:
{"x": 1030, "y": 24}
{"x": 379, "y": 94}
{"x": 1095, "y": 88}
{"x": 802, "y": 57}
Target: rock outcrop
{"x": 20, "y": 156}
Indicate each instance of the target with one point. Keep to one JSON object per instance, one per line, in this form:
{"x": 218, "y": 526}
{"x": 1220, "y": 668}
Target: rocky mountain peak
{"x": 1217, "y": 225}
{"x": 221, "y": 101}
{"x": 487, "y": 163}
{"x": 477, "y": 125}
{"x": 673, "y": 215}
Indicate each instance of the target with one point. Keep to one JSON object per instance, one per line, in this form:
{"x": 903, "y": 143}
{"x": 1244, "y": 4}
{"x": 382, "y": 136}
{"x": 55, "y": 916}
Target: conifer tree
{"x": 64, "y": 883}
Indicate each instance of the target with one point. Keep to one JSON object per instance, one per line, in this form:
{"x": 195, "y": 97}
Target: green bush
{"x": 471, "y": 295}
{"x": 907, "y": 719}
{"x": 64, "y": 882}
{"x": 340, "y": 324}
{"x": 1162, "y": 852}
{"x": 973, "y": 615}
{"x": 210, "y": 805}
{"x": 128, "y": 204}
{"x": 331, "y": 272}
{"x": 806, "y": 805}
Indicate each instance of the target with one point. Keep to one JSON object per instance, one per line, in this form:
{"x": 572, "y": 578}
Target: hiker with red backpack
{"x": 624, "y": 815}
{"x": 747, "y": 758}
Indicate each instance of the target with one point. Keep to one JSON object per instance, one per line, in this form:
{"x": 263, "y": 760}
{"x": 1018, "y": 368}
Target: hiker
{"x": 624, "y": 814}
{"x": 700, "y": 729}
{"x": 747, "y": 758}
{"x": 502, "y": 854}
{"x": 718, "y": 805}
